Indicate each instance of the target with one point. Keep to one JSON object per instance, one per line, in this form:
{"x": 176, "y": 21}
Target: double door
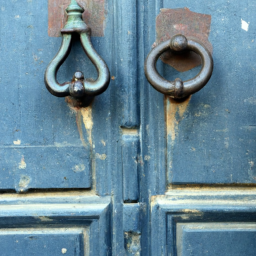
{"x": 135, "y": 172}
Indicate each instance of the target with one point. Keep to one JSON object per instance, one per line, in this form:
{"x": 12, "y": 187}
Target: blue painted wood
{"x": 79, "y": 224}
{"x": 51, "y": 241}
{"x": 215, "y": 138}
{"x": 127, "y": 62}
{"x": 216, "y": 239}
{"x": 202, "y": 208}
{"x": 130, "y": 159}
{"x": 131, "y": 218}
{"x": 46, "y": 144}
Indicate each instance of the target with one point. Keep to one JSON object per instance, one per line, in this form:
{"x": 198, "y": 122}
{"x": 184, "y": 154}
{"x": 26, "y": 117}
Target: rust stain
{"x": 193, "y": 25}
{"x": 94, "y": 16}
{"x": 83, "y": 117}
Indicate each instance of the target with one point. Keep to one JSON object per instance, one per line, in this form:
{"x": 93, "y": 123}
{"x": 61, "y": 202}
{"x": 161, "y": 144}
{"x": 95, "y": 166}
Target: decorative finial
{"x": 75, "y": 21}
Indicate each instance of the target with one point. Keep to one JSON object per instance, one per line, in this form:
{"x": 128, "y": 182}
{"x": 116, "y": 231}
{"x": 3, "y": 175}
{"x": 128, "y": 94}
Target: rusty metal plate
{"x": 94, "y": 16}
{"x": 193, "y": 25}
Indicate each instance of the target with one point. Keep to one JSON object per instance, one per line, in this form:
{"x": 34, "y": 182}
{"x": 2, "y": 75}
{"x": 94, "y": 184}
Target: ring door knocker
{"x": 78, "y": 87}
{"x": 178, "y": 89}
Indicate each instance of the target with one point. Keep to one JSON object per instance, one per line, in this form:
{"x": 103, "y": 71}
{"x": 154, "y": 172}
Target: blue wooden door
{"x": 135, "y": 172}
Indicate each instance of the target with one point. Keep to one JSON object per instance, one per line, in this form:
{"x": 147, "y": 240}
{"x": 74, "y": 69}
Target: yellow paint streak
{"x": 88, "y": 122}
{"x": 17, "y": 142}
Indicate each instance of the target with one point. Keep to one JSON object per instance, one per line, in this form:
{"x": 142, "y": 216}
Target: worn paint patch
{"x": 94, "y": 16}
{"x": 191, "y": 211}
{"x": 44, "y": 219}
{"x": 193, "y": 25}
{"x": 24, "y": 182}
{"x": 132, "y": 243}
{"x": 79, "y": 168}
{"x": 101, "y": 157}
{"x": 22, "y": 164}
{"x": 174, "y": 114}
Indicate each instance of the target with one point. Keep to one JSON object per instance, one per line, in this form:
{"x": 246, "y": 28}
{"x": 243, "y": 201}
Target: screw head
{"x": 178, "y": 43}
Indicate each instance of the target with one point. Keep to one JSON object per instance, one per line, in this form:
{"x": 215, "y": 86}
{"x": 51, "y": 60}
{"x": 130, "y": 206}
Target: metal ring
{"x": 178, "y": 88}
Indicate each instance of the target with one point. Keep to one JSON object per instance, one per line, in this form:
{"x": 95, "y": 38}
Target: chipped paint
{"x": 79, "y": 168}
{"x": 101, "y": 157}
{"x": 22, "y": 164}
{"x": 94, "y": 16}
{"x": 24, "y": 182}
{"x": 17, "y": 142}
{"x": 64, "y": 250}
{"x": 132, "y": 243}
{"x": 193, "y": 25}
{"x": 147, "y": 158}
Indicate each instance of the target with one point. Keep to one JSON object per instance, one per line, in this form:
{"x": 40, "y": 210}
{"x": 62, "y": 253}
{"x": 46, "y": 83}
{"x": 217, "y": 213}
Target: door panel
{"x": 48, "y": 140}
{"x": 211, "y": 136}
{"x": 204, "y": 222}
{"x": 76, "y": 225}
{"x": 216, "y": 239}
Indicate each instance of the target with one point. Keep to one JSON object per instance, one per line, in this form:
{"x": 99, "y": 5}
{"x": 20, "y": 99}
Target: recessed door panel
{"x": 230, "y": 239}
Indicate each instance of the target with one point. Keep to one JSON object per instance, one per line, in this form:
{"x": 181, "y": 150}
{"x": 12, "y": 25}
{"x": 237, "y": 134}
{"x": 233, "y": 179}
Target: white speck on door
{"x": 245, "y": 25}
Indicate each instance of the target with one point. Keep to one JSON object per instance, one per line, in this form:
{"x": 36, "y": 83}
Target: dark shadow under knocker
{"x": 79, "y": 87}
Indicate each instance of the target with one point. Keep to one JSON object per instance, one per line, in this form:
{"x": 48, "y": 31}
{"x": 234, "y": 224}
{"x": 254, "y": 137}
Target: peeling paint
{"x": 94, "y": 16}
{"x": 22, "y": 164}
